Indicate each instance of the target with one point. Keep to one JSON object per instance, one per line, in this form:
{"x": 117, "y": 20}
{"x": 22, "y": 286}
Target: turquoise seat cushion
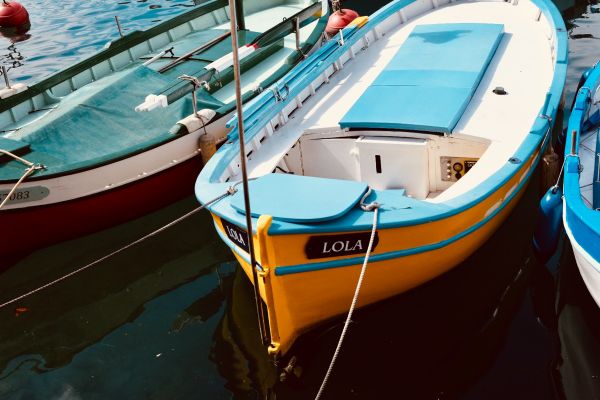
{"x": 430, "y": 80}
{"x": 296, "y": 198}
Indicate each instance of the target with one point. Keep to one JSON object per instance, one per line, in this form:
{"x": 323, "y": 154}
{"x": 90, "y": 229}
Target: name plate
{"x": 236, "y": 234}
{"x": 24, "y": 195}
{"x": 344, "y": 244}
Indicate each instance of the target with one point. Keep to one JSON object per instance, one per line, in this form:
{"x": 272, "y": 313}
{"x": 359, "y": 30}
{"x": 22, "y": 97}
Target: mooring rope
{"x": 367, "y": 207}
{"x": 230, "y": 191}
{"x": 31, "y": 168}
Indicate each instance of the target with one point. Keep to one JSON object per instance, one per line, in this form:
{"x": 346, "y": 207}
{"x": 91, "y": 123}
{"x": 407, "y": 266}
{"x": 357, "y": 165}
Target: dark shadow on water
{"x": 109, "y": 294}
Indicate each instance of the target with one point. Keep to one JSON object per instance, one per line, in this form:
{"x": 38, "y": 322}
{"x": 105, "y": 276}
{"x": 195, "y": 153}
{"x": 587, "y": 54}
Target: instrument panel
{"x": 454, "y": 168}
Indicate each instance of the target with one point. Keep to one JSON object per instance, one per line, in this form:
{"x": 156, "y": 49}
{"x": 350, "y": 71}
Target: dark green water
{"x": 173, "y": 318}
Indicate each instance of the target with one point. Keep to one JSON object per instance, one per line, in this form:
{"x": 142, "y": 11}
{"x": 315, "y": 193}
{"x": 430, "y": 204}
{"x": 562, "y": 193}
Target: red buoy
{"x": 13, "y": 15}
{"x": 339, "y": 20}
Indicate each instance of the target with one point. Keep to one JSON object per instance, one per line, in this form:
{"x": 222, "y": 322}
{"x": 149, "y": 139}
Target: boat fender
{"x": 12, "y": 90}
{"x": 549, "y": 224}
{"x": 192, "y": 123}
{"x": 339, "y": 20}
{"x": 13, "y": 15}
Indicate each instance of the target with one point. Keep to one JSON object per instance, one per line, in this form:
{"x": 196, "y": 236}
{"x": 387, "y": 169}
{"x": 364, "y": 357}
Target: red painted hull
{"x": 31, "y": 228}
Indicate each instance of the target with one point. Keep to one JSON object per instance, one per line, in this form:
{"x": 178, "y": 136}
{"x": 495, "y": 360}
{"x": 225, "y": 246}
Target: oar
{"x": 297, "y": 21}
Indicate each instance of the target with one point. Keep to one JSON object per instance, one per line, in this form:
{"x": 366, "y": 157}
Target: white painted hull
{"x": 117, "y": 174}
{"x": 588, "y": 267}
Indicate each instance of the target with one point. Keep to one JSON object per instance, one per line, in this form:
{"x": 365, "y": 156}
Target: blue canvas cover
{"x": 430, "y": 81}
{"x": 297, "y": 198}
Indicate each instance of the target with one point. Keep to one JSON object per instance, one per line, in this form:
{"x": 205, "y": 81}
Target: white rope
{"x": 230, "y": 191}
{"x": 16, "y": 157}
{"x": 31, "y": 168}
{"x": 28, "y": 172}
{"x": 366, "y": 207}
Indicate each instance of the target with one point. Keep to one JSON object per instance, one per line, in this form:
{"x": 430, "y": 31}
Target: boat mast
{"x": 262, "y": 323}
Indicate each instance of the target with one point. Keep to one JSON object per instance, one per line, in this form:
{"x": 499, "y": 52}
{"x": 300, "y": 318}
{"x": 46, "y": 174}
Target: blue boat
{"x": 403, "y": 144}
{"x": 581, "y": 186}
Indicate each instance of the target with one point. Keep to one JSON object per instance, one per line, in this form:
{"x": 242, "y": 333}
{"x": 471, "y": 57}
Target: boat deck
{"x": 503, "y": 120}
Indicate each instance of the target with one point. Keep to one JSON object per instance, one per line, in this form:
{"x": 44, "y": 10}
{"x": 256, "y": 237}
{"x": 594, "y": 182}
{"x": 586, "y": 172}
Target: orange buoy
{"x": 13, "y": 15}
{"x": 339, "y": 20}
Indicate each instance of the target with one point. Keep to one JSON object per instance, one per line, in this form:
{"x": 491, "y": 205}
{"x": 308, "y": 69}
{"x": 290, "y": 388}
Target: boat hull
{"x": 300, "y": 293}
{"x": 88, "y": 201}
{"x": 36, "y": 227}
{"x": 589, "y": 268}
{"x": 308, "y": 226}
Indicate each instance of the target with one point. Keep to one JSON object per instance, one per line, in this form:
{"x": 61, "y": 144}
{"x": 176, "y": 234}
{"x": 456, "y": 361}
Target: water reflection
{"x": 111, "y": 310}
{"x": 63, "y": 33}
{"x": 577, "y": 369}
{"x": 174, "y": 318}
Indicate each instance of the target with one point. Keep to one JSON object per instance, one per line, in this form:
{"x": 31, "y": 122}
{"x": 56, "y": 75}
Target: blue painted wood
{"x": 430, "y": 81}
{"x": 295, "y": 198}
{"x": 596, "y": 181}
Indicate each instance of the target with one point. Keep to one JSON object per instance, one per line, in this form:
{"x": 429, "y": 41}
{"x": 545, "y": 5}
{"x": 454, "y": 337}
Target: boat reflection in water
{"x": 99, "y": 331}
{"x": 577, "y": 369}
{"x": 442, "y": 340}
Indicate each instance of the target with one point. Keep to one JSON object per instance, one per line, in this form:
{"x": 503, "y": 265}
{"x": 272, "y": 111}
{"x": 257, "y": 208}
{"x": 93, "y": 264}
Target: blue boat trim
{"x": 294, "y": 269}
{"x": 242, "y": 254}
{"x": 583, "y": 222}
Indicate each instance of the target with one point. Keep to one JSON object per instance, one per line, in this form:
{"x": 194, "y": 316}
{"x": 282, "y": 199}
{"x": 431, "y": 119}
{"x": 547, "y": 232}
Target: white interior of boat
{"x": 306, "y": 137}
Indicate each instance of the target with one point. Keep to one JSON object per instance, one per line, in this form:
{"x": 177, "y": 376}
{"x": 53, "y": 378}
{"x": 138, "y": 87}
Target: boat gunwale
{"x": 541, "y": 126}
{"x": 390, "y": 255}
{"x": 580, "y": 220}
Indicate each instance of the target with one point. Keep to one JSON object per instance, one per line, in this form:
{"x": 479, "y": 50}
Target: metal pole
{"x": 238, "y": 104}
{"x": 239, "y": 15}
{"x": 5, "y": 74}
{"x": 297, "y": 33}
{"x": 119, "y": 25}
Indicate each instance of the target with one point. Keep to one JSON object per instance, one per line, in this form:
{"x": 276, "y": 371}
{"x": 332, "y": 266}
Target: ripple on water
{"x": 63, "y": 33}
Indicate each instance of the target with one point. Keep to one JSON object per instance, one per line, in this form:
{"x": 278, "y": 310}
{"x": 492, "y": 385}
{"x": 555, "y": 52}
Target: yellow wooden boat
{"x": 434, "y": 113}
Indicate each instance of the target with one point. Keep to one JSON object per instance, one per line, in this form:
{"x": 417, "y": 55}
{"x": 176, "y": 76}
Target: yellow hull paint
{"x": 298, "y": 301}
